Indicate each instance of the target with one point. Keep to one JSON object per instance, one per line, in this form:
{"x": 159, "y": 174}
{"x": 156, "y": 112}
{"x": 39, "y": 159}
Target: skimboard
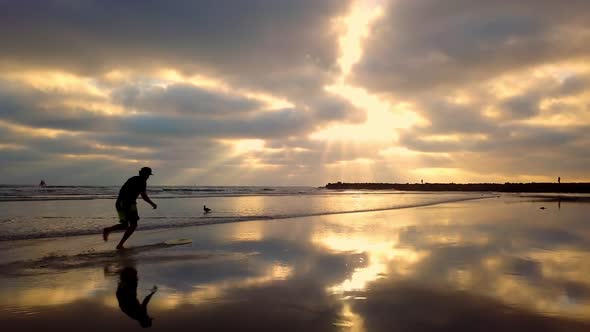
{"x": 178, "y": 242}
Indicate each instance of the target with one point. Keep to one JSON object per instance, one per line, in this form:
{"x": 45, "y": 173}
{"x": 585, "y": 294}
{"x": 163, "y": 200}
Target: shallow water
{"x": 79, "y": 210}
{"x": 500, "y": 264}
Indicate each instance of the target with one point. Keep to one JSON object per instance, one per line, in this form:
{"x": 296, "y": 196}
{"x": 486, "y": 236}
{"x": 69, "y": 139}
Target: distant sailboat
{"x": 42, "y": 183}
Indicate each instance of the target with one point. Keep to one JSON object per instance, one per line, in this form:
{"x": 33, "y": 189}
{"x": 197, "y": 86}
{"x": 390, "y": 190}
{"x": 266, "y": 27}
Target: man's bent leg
{"x": 107, "y": 230}
{"x": 127, "y": 234}
{"x": 131, "y": 217}
{"x": 123, "y": 213}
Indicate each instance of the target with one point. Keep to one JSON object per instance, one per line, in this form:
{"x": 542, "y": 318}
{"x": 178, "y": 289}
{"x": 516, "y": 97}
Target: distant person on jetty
{"x": 559, "y": 179}
{"x": 126, "y": 205}
{"x": 42, "y": 183}
{"x": 127, "y": 297}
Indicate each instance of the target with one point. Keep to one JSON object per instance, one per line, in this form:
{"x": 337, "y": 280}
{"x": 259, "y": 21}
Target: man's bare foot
{"x": 120, "y": 247}
{"x": 105, "y": 234}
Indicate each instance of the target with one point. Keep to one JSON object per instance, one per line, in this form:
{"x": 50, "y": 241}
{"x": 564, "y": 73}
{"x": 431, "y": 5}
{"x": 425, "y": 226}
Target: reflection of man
{"x": 127, "y": 297}
{"x": 126, "y": 205}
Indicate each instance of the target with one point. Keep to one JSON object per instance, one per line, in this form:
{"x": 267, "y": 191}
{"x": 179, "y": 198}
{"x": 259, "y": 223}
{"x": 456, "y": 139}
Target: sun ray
{"x": 384, "y": 117}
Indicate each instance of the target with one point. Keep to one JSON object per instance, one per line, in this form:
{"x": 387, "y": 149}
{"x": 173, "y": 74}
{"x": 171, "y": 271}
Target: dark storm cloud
{"x": 569, "y": 159}
{"x": 183, "y": 98}
{"x": 175, "y": 138}
{"x": 284, "y": 45}
{"x": 513, "y": 139}
{"x": 505, "y": 144}
{"x": 186, "y": 99}
{"x": 333, "y": 108}
{"x": 448, "y": 118}
{"x": 261, "y": 125}
{"x": 426, "y": 44}
{"x": 521, "y": 106}
{"x": 39, "y": 148}
{"x": 17, "y": 156}
{"x": 575, "y": 84}
{"x": 26, "y": 106}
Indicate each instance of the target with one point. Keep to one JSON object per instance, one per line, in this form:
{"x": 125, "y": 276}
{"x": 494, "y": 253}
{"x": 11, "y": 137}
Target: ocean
{"x": 28, "y": 212}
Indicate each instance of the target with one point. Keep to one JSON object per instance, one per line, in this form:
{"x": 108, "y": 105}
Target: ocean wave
{"x": 53, "y": 193}
{"x": 151, "y": 223}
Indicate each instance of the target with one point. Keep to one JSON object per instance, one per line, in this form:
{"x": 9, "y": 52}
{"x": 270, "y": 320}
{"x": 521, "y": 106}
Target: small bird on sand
{"x": 206, "y": 209}
{"x": 542, "y": 208}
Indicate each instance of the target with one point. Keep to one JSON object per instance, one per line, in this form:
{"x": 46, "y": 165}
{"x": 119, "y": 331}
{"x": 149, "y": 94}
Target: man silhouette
{"x": 126, "y": 205}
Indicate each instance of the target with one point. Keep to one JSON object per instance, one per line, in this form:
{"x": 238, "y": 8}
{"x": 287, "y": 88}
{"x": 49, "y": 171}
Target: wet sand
{"x": 499, "y": 264}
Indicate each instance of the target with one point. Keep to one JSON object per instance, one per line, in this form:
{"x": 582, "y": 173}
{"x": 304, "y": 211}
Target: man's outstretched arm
{"x": 145, "y": 197}
{"x": 147, "y": 299}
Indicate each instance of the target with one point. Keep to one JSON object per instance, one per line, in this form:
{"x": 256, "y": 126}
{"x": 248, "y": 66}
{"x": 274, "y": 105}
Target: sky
{"x": 294, "y": 92}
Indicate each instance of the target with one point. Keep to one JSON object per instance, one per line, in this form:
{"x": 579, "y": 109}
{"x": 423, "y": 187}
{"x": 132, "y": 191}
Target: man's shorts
{"x": 127, "y": 214}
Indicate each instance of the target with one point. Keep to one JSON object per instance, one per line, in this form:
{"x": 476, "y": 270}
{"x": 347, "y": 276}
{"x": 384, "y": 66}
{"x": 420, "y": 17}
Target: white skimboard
{"x": 178, "y": 242}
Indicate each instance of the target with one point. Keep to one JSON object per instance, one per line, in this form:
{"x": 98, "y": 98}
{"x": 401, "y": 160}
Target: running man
{"x": 127, "y": 206}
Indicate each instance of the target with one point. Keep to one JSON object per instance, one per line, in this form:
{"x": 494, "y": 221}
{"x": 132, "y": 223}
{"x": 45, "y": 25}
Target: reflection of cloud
{"x": 496, "y": 253}
{"x": 406, "y": 306}
{"x": 217, "y": 290}
{"x": 66, "y": 288}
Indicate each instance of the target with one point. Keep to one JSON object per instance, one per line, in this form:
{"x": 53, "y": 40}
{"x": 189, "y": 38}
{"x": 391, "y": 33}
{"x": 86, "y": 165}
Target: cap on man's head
{"x": 146, "y": 171}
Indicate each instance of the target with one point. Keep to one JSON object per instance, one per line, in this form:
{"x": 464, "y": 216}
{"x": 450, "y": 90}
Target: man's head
{"x": 145, "y": 172}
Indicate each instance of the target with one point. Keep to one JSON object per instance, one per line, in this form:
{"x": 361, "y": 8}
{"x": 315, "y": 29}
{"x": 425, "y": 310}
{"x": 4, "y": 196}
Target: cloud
{"x": 575, "y": 84}
{"x": 419, "y": 46}
{"x": 275, "y": 45}
{"x": 183, "y": 99}
{"x": 30, "y": 107}
{"x": 282, "y": 49}
{"x": 502, "y": 87}
{"x": 176, "y": 140}
{"x": 521, "y": 106}
{"x": 328, "y": 108}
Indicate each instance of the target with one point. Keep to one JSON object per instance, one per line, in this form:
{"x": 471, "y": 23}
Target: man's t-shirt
{"x": 131, "y": 189}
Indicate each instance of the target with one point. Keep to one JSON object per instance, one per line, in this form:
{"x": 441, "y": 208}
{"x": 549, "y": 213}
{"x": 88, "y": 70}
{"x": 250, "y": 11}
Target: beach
{"x": 295, "y": 165}
{"x": 485, "y": 263}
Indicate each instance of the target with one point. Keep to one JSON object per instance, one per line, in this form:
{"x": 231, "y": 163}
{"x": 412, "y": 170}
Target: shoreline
{"x": 230, "y": 220}
{"x": 541, "y": 187}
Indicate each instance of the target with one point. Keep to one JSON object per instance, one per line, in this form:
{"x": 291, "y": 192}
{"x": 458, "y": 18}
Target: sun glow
{"x": 10, "y": 146}
{"x": 220, "y": 86}
{"x": 356, "y": 25}
{"x": 372, "y": 258}
{"x": 56, "y": 81}
{"x": 27, "y": 131}
{"x": 383, "y": 117}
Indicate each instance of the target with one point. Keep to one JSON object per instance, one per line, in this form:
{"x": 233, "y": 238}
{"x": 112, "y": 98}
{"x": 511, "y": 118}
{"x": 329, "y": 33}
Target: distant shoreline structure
{"x": 534, "y": 187}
